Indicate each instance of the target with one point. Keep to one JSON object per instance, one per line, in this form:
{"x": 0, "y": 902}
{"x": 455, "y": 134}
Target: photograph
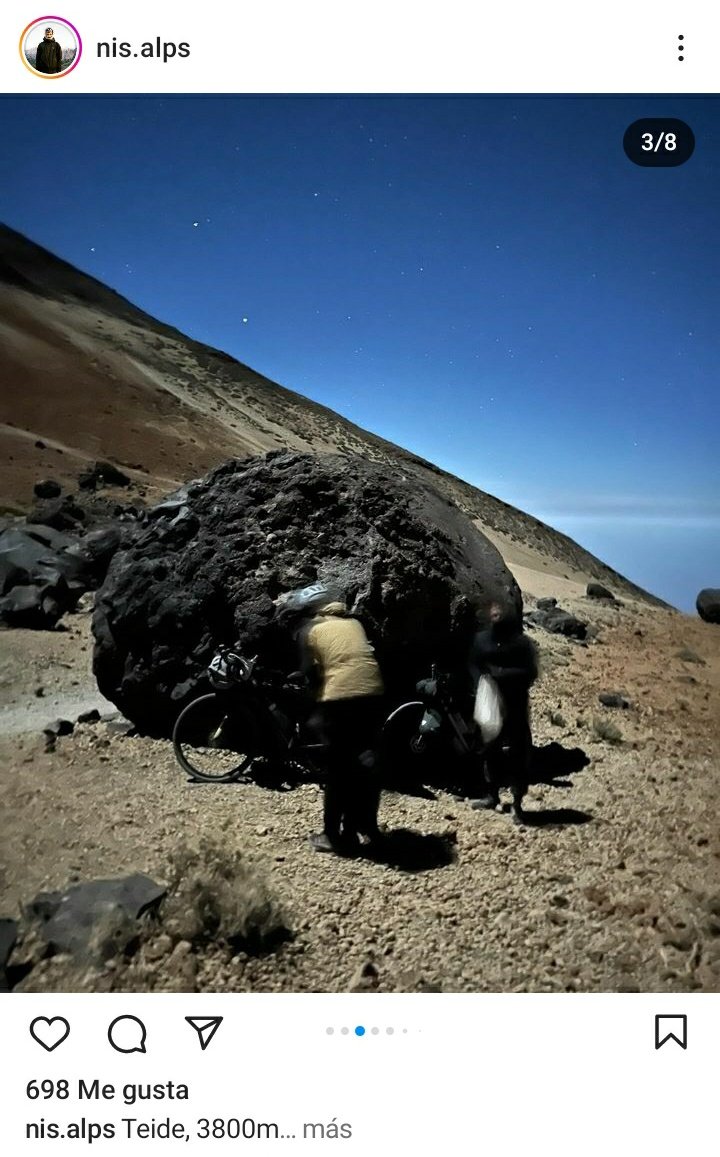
{"x": 51, "y": 50}
{"x": 359, "y": 542}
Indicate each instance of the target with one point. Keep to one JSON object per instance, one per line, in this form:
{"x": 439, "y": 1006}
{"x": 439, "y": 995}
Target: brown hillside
{"x": 87, "y": 375}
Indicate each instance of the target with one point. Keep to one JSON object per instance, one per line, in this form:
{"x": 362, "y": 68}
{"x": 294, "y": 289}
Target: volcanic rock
{"x": 59, "y": 727}
{"x": 59, "y": 513}
{"x": 45, "y": 571}
{"x": 598, "y": 591}
{"x": 708, "y": 604}
{"x": 206, "y": 564}
{"x": 102, "y": 474}
{"x": 69, "y": 921}
{"x": 91, "y": 716}
{"x": 614, "y": 699}
{"x": 559, "y": 622}
{"x": 34, "y": 607}
{"x": 47, "y": 488}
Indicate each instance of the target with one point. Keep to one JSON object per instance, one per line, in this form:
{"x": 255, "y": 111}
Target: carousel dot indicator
{"x": 359, "y": 1031}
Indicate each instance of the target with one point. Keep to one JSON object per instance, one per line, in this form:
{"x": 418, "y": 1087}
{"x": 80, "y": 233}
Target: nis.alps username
{"x": 157, "y": 49}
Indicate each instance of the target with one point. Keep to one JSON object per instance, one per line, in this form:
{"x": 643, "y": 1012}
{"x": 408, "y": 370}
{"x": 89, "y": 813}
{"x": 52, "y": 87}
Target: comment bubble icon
{"x": 127, "y": 1034}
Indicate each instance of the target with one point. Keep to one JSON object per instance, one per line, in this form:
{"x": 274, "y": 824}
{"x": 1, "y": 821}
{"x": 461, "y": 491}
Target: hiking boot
{"x": 319, "y": 842}
{"x": 343, "y": 846}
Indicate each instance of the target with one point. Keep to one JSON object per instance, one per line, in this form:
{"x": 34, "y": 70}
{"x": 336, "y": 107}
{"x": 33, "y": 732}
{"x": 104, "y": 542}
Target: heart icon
{"x": 49, "y": 1031}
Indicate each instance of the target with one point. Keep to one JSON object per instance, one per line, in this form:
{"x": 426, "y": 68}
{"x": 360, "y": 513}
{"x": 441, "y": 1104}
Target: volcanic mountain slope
{"x": 86, "y": 375}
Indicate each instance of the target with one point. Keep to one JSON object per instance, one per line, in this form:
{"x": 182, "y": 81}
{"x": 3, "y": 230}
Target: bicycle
{"x": 246, "y": 718}
{"x": 424, "y": 727}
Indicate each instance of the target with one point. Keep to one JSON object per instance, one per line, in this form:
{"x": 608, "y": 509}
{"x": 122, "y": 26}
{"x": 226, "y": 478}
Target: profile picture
{"x": 50, "y": 47}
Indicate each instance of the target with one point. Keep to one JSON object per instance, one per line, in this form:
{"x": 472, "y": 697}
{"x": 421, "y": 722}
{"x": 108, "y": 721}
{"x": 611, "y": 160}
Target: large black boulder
{"x": 708, "y": 604}
{"x": 206, "y": 564}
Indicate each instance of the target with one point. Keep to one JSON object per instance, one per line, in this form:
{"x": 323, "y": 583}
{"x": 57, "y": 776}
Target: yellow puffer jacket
{"x": 343, "y": 655}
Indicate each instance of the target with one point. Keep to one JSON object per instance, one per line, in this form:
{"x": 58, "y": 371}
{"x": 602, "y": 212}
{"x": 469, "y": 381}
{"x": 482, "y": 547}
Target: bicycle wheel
{"x": 402, "y": 737}
{"x": 214, "y": 740}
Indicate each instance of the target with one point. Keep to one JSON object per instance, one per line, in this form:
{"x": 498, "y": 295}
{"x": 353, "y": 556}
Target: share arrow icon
{"x": 205, "y": 1027}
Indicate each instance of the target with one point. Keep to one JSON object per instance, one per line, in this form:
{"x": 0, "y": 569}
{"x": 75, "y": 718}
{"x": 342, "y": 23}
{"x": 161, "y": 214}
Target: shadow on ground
{"x": 410, "y": 851}
{"x": 555, "y": 817}
{"x": 554, "y": 762}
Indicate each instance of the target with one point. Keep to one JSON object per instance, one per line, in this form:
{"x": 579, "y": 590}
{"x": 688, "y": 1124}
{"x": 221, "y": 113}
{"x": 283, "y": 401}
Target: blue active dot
{"x": 359, "y": 1031}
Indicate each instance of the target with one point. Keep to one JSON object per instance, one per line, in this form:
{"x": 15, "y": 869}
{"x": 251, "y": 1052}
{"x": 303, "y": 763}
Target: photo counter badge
{"x": 50, "y": 47}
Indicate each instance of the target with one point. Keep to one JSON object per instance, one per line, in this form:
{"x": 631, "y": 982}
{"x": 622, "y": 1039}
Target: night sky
{"x": 487, "y": 281}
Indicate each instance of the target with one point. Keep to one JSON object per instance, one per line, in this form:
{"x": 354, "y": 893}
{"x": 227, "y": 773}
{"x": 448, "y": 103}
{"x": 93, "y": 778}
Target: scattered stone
{"x": 614, "y": 699}
{"x": 59, "y": 727}
{"x": 102, "y": 474}
{"x": 58, "y": 513}
{"x": 366, "y": 978}
{"x": 44, "y": 572}
{"x": 120, "y": 726}
{"x": 598, "y": 591}
{"x": 546, "y": 604}
{"x": 689, "y": 656}
{"x": 48, "y": 488}
{"x": 92, "y": 716}
{"x": 559, "y": 622}
{"x": 708, "y": 605}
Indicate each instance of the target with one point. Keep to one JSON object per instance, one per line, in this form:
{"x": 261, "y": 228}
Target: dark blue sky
{"x": 488, "y": 281}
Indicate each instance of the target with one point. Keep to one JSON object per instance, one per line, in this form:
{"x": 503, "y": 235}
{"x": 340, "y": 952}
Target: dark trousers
{"x": 508, "y": 759}
{"x": 350, "y": 730}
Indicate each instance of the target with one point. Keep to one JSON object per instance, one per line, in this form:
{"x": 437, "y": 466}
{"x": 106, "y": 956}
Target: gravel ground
{"x": 615, "y": 887}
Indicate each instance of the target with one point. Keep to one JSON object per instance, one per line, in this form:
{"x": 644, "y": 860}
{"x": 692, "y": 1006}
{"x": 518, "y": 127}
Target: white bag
{"x": 488, "y": 712}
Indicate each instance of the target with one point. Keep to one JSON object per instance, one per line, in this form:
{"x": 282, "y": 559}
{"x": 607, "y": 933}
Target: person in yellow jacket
{"x": 340, "y": 662}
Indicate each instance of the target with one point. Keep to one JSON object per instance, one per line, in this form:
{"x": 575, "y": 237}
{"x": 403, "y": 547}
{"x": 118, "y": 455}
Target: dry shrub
{"x": 216, "y": 894}
{"x": 607, "y": 731}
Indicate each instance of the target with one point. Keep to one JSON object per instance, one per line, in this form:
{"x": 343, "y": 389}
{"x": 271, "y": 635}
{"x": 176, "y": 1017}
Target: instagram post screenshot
{"x": 360, "y": 578}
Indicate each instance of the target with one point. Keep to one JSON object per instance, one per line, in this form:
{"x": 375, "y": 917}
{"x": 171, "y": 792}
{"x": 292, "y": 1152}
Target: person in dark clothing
{"x": 48, "y": 58}
{"x": 339, "y": 661}
{"x": 504, "y": 652}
